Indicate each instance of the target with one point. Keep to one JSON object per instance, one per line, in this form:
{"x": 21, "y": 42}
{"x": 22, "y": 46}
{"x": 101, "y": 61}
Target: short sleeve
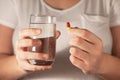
{"x": 115, "y": 13}
{"x": 8, "y": 15}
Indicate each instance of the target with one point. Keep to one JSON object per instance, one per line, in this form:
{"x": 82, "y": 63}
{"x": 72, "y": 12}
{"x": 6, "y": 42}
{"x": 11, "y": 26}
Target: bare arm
{"x": 14, "y": 67}
{"x": 8, "y": 63}
{"x": 112, "y": 63}
{"x": 90, "y": 57}
{"x": 116, "y": 41}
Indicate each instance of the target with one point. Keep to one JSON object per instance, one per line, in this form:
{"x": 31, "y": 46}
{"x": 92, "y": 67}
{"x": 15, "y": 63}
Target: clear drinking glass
{"x": 48, "y": 26}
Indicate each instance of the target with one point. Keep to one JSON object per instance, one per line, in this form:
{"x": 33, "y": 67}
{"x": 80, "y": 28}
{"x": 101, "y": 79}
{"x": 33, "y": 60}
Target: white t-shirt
{"x": 94, "y": 15}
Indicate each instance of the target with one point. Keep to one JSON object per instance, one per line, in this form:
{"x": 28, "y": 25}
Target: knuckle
{"x": 31, "y": 30}
{"x": 34, "y": 68}
{"x": 28, "y": 67}
{"x": 85, "y": 33}
{"x": 21, "y": 32}
{"x": 78, "y": 40}
{"x": 73, "y": 51}
{"x": 88, "y": 70}
{"x": 23, "y": 57}
{"x": 30, "y": 41}
{"x": 72, "y": 59}
{"x": 100, "y": 42}
{"x": 34, "y": 31}
{"x": 24, "y": 42}
{"x": 17, "y": 44}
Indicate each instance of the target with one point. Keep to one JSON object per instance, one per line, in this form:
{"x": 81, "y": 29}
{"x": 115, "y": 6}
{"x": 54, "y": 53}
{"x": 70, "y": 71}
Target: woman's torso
{"x": 89, "y": 14}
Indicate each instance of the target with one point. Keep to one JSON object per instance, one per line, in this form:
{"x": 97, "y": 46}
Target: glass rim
{"x": 36, "y": 15}
{"x": 46, "y": 18}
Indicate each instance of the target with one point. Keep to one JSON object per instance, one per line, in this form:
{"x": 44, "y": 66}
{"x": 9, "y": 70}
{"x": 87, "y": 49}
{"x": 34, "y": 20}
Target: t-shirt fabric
{"x": 98, "y": 16}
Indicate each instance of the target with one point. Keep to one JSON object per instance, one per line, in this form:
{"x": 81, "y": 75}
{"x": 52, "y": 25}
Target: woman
{"x": 96, "y": 36}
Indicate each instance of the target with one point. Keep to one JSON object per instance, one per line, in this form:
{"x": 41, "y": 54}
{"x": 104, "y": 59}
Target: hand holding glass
{"x": 47, "y": 37}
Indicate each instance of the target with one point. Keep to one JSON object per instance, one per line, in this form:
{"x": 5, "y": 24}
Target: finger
{"x": 58, "y": 34}
{"x": 77, "y": 62}
{"x": 31, "y": 67}
{"x": 28, "y": 43}
{"x": 82, "y": 44}
{"x": 27, "y": 32}
{"x": 78, "y": 53}
{"x": 30, "y": 55}
{"x": 85, "y": 34}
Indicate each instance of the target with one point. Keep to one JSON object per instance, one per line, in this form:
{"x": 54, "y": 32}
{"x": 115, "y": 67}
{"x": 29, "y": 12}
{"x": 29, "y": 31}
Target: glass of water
{"x": 48, "y": 26}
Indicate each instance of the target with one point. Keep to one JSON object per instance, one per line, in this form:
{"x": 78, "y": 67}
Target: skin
{"x": 19, "y": 62}
{"x": 22, "y": 55}
{"x": 89, "y": 62}
{"x": 88, "y": 54}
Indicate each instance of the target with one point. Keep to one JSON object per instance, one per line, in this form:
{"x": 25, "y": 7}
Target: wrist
{"x": 108, "y": 67}
{"x": 21, "y": 72}
{"x": 105, "y": 63}
{"x": 103, "y": 66}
